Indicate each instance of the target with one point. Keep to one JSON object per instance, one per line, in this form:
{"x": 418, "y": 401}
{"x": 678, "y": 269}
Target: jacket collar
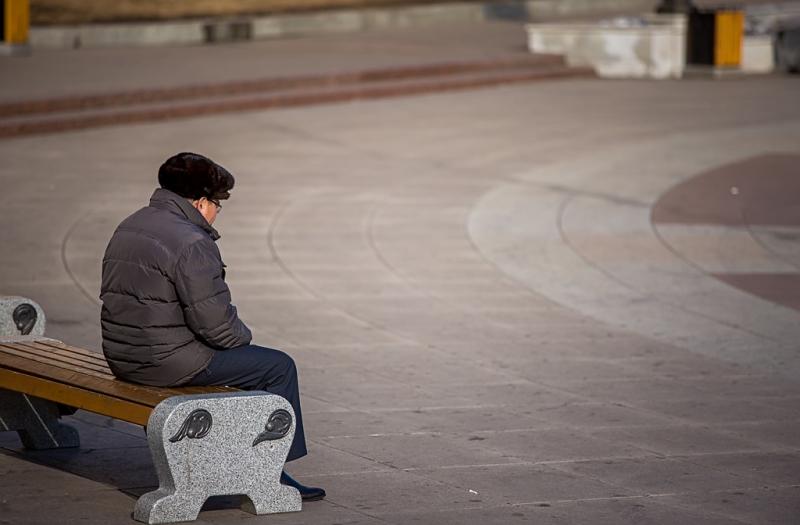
{"x": 167, "y": 200}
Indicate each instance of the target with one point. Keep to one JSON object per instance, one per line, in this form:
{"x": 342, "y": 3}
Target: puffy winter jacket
{"x": 166, "y": 307}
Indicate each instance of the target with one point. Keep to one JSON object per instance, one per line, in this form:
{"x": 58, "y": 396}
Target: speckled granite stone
{"x": 25, "y": 339}
{"x": 218, "y": 444}
{"x": 36, "y": 421}
{"x": 7, "y": 306}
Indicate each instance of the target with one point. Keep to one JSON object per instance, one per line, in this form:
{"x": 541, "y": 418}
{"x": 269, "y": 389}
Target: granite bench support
{"x": 205, "y": 441}
{"x": 36, "y": 420}
{"x": 215, "y": 445}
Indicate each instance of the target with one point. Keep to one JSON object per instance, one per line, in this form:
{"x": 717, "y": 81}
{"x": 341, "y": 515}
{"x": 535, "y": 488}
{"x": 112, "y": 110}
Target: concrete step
{"x": 82, "y": 112}
{"x": 128, "y": 98}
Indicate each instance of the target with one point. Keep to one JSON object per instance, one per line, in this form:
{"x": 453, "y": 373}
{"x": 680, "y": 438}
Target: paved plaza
{"x": 560, "y": 302}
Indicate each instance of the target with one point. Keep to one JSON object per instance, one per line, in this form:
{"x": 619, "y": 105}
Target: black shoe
{"x": 307, "y": 493}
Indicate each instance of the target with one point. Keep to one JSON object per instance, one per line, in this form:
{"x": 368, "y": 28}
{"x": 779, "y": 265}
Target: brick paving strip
{"x": 758, "y": 195}
{"x": 90, "y": 111}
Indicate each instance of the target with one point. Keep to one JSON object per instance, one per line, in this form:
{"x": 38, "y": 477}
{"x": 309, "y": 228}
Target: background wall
{"x": 46, "y": 12}
{"x": 57, "y": 12}
{"x": 60, "y": 12}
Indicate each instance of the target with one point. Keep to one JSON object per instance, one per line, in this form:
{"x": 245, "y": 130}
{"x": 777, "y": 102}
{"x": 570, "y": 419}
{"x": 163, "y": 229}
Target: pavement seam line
{"x": 65, "y": 263}
{"x": 647, "y": 295}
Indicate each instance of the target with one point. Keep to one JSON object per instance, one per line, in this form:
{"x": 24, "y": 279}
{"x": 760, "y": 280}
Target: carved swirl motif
{"x": 24, "y": 317}
{"x": 196, "y": 426}
{"x": 277, "y": 426}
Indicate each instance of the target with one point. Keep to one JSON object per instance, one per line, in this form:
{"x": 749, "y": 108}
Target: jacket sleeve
{"x": 206, "y": 299}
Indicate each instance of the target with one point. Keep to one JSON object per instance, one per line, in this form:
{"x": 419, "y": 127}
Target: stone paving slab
{"x": 636, "y": 510}
{"x": 37, "y": 493}
{"x": 780, "y": 504}
{"x": 475, "y": 295}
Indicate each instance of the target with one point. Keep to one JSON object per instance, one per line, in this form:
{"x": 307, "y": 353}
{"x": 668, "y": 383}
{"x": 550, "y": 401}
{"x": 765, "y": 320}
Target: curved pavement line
{"x": 607, "y": 261}
{"x": 759, "y": 238}
{"x": 713, "y": 221}
{"x": 64, "y": 259}
{"x": 634, "y": 287}
{"x": 381, "y": 263}
{"x": 429, "y": 295}
{"x": 313, "y": 291}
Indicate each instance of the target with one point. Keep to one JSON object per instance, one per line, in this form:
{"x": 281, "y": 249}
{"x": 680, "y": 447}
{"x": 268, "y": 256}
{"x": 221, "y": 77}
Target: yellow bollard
{"x": 16, "y": 21}
{"x": 728, "y": 38}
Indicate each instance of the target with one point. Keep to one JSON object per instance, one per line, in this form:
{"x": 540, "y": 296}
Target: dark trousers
{"x": 254, "y": 367}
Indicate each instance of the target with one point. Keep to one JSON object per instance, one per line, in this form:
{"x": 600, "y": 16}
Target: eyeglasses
{"x": 215, "y": 203}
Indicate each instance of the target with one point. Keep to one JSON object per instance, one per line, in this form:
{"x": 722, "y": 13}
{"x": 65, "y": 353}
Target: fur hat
{"x": 193, "y": 176}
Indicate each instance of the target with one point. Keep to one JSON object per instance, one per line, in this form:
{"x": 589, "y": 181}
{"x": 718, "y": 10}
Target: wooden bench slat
{"x": 55, "y": 359}
{"x": 80, "y": 378}
{"x": 57, "y": 364}
{"x": 101, "y": 358}
{"x": 58, "y": 346}
{"x": 78, "y": 397}
{"x": 61, "y": 349}
{"x": 69, "y": 351}
{"x": 106, "y": 372}
{"x": 150, "y": 396}
{"x": 96, "y": 360}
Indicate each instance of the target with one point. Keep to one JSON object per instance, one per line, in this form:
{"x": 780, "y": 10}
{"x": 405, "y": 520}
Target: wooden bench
{"x": 52, "y": 370}
{"x": 192, "y": 462}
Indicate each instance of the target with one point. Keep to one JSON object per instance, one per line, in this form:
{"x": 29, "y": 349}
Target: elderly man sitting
{"x": 167, "y": 318}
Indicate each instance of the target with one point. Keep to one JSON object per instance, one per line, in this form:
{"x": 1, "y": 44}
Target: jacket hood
{"x": 167, "y": 200}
